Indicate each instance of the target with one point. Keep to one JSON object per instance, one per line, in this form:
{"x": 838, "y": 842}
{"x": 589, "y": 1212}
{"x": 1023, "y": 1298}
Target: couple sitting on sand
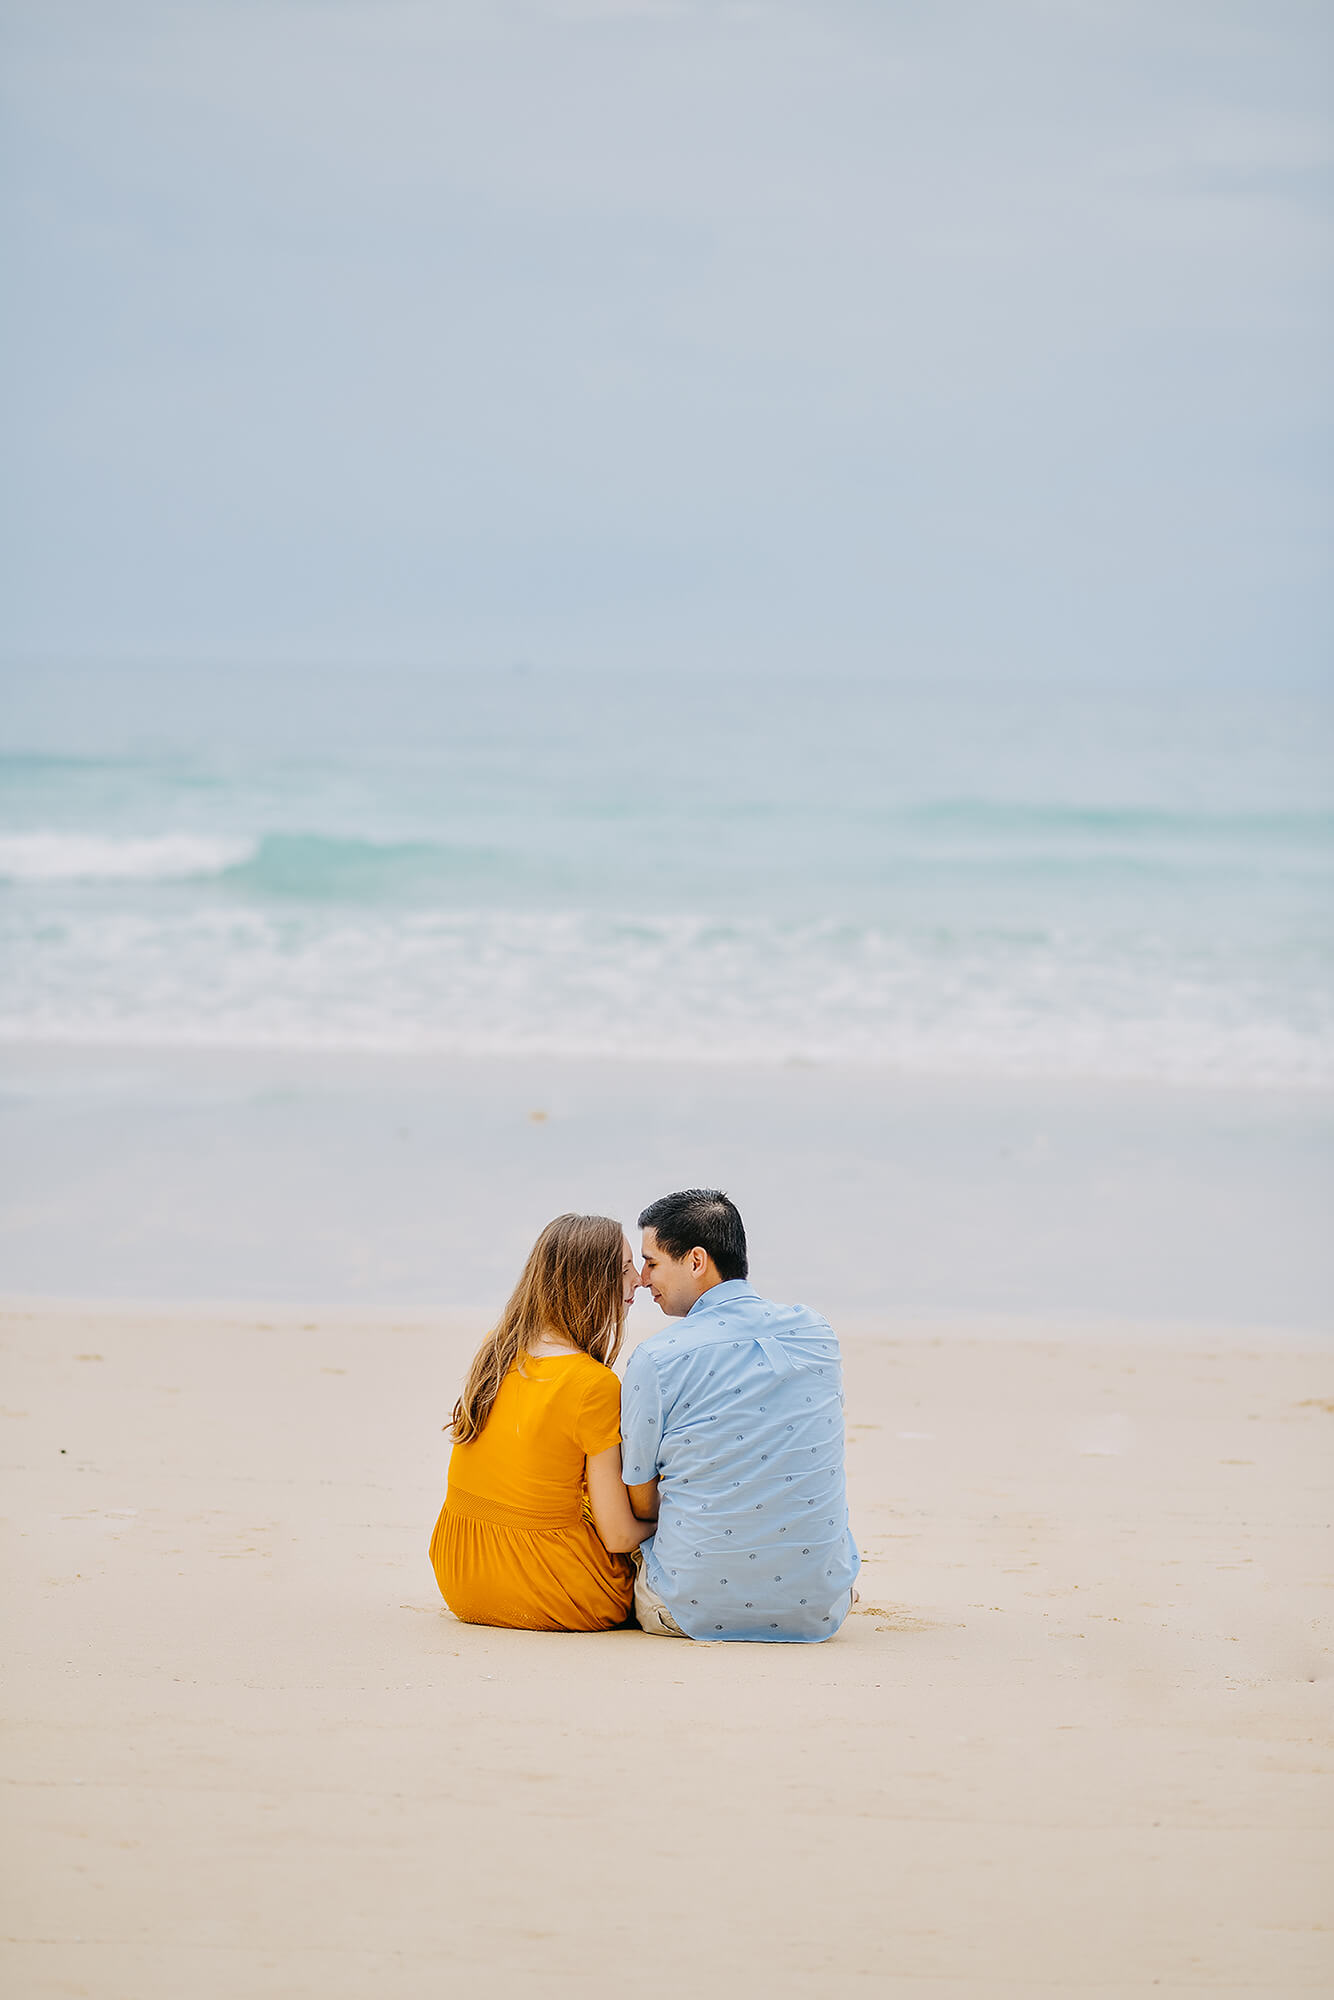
{"x": 708, "y": 1493}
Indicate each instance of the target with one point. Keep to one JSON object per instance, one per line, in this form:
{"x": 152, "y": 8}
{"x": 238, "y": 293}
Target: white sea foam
{"x": 82, "y": 857}
{"x": 667, "y": 987}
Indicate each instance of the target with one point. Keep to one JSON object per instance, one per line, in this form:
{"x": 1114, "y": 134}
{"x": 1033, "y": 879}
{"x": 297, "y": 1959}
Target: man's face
{"x": 675, "y": 1282}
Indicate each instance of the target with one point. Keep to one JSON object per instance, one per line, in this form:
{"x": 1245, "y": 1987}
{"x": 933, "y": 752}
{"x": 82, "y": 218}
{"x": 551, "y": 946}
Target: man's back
{"x": 737, "y": 1409}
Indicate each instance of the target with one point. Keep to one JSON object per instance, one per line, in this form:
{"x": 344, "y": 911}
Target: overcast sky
{"x": 923, "y": 337}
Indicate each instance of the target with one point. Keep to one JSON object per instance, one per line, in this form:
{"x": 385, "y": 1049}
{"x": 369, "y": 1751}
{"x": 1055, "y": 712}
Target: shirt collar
{"x": 730, "y": 1288}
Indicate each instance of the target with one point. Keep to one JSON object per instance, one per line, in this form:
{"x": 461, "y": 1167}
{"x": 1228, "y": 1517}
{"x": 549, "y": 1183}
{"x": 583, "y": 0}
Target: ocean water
{"x": 963, "y": 882}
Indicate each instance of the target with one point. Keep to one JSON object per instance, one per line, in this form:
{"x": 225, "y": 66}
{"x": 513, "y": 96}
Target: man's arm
{"x": 641, "y": 1433}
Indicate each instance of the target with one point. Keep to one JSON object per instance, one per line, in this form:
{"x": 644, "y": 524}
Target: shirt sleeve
{"x": 641, "y": 1420}
{"x": 598, "y": 1425}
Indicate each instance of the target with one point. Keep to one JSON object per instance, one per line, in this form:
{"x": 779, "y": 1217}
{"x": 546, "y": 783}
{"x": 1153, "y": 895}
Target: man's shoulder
{"x": 746, "y": 1313}
{"x": 653, "y": 1353}
{"x": 655, "y": 1350}
{"x": 671, "y": 1348}
{"x": 711, "y": 1322}
{"x": 759, "y": 1315}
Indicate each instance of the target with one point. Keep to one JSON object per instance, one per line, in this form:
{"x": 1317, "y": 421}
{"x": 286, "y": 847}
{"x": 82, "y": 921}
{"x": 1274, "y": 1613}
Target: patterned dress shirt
{"x": 737, "y": 1409}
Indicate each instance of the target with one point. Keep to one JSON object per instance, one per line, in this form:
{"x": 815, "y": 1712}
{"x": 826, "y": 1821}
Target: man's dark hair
{"x": 703, "y": 1219}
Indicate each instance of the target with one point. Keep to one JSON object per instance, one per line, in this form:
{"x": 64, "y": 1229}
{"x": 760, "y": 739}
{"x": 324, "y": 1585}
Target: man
{"x": 732, "y": 1421}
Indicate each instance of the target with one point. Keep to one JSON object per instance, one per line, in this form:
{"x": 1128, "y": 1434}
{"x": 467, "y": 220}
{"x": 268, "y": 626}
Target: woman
{"x": 537, "y": 1522}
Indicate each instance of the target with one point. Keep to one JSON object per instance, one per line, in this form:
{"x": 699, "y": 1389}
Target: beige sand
{"x": 1077, "y": 1739}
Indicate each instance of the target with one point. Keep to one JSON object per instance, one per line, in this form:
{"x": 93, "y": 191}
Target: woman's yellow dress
{"x": 515, "y": 1542}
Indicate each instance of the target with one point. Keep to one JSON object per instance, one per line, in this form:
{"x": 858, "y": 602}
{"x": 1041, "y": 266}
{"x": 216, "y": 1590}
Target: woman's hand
{"x": 613, "y": 1517}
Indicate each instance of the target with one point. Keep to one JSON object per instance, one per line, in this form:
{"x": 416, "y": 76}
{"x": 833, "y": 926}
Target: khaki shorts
{"x": 650, "y": 1610}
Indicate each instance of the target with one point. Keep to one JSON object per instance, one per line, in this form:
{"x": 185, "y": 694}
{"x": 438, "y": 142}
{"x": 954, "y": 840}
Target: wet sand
{"x": 407, "y": 1179}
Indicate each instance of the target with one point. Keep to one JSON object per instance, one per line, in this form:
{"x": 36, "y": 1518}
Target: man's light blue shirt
{"x": 738, "y": 1411}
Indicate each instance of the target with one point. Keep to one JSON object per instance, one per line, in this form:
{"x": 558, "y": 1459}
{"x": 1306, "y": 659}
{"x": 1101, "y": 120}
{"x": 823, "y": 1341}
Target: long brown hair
{"x": 573, "y": 1287}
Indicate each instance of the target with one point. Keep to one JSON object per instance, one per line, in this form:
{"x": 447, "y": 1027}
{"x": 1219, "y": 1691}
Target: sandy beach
{"x": 1077, "y": 1738}
{"x": 608, "y": 598}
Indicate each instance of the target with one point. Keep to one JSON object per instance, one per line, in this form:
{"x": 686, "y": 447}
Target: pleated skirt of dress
{"x": 495, "y": 1566}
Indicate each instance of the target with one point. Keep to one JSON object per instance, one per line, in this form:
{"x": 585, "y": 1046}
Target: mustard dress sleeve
{"x": 515, "y": 1542}
{"x": 598, "y": 1426}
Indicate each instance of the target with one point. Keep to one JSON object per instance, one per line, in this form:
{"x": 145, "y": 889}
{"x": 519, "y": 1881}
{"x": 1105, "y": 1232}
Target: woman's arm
{"x": 620, "y": 1528}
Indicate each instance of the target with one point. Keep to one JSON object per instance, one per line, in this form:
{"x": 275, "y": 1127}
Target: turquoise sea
{"x": 958, "y": 882}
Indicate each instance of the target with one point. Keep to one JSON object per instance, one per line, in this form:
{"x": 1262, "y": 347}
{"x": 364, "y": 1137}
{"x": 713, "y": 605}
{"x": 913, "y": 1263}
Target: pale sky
{"x": 940, "y": 337}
